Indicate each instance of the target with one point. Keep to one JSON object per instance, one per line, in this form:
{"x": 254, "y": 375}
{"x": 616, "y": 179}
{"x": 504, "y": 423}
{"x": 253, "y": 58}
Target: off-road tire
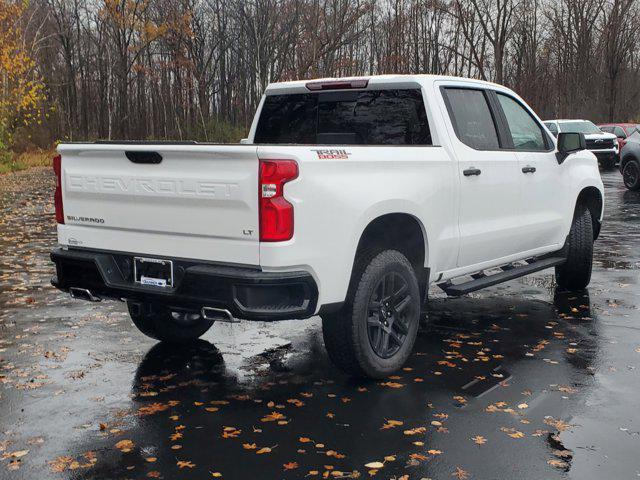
{"x": 631, "y": 174}
{"x": 160, "y": 323}
{"x": 575, "y": 273}
{"x": 347, "y": 332}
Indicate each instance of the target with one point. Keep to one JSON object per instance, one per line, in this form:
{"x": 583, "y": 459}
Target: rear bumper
{"x": 246, "y": 292}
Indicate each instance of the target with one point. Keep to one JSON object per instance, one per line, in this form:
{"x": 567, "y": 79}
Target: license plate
{"x": 153, "y": 271}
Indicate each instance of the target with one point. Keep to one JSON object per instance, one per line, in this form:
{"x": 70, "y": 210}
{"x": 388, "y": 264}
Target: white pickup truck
{"x": 347, "y": 200}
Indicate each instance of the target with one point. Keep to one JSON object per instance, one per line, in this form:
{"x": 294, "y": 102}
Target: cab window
{"x": 525, "y": 131}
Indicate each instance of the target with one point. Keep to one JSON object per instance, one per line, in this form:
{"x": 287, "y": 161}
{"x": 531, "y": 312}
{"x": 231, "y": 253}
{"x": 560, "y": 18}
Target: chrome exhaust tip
{"x": 83, "y": 294}
{"x": 218, "y": 315}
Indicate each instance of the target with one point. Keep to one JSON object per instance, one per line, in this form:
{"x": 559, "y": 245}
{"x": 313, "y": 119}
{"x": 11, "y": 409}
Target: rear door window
{"x": 472, "y": 119}
{"x": 363, "y": 117}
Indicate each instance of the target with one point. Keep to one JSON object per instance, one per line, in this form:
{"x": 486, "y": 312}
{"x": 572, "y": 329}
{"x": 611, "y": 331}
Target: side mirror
{"x": 244, "y": 141}
{"x": 569, "y": 143}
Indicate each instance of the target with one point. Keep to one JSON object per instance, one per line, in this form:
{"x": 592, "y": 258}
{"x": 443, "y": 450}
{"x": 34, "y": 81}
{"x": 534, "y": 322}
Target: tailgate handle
{"x": 144, "y": 157}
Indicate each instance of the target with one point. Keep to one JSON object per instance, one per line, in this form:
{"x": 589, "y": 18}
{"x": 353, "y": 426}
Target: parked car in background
{"x": 620, "y": 130}
{"x": 630, "y": 161}
{"x": 603, "y": 145}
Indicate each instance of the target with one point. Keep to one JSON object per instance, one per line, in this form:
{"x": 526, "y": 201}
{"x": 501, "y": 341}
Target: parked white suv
{"x": 352, "y": 196}
{"x": 604, "y": 145}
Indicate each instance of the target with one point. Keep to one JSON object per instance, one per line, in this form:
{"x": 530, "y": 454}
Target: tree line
{"x": 196, "y": 69}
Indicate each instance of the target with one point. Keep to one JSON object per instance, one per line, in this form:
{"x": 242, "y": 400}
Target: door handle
{"x": 528, "y": 169}
{"x": 472, "y": 171}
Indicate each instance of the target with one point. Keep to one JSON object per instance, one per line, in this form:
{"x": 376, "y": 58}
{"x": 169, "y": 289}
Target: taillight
{"x": 276, "y": 214}
{"x": 57, "y": 169}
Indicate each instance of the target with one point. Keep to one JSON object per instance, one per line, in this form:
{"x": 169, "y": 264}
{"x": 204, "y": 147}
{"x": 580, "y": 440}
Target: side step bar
{"x": 509, "y": 272}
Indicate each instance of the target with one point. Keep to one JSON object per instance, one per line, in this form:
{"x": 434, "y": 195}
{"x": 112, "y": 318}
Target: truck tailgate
{"x": 199, "y": 201}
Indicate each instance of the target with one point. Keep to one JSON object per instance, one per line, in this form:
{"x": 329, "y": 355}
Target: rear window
{"x": 369, "y": 117}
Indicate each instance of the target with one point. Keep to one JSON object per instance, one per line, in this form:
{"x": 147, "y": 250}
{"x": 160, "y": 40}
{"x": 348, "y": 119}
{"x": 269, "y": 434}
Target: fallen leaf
{"x": 333, "y": 453}
{"x": 417, "y": 456}
{"x": 230, "y": 432}
{"x": 273, "y": 417}
{"x": 290, "y": 465}
{"x": 18, "y": 454}
{"x": 555, "y": 462}
{"x": 460, "y": 474}
{"x": 392, "y": 384}
{"x": 375, "y": 465}
{"x": 559, "y": 424}
{"x": 479, "y": 440}
{"x": 185, "y": 464}
{"x": 391, "y": 424}
{"x": 125, "y": 446}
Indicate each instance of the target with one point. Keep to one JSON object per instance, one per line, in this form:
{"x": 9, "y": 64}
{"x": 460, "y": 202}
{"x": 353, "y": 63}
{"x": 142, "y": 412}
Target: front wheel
{"x": 575, "y": 273}
{"x": 161, "y": 323}
{"x": 374, "y": 333}
{"x": 631, "y": 175}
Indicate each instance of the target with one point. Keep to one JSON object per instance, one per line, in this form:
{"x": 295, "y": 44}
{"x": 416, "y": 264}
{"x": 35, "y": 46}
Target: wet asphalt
{"x": 517, "y": 381}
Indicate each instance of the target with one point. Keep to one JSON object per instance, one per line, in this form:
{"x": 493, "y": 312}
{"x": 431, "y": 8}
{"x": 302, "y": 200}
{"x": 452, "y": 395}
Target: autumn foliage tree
{"x": 21, "y": 89}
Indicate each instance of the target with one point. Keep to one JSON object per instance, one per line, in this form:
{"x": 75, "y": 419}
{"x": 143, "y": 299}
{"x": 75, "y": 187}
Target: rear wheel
{"x": 631, "y": 174}
{"x": 374, "y": 333}
{"x": 166, "y": 325}
{"x": 575, "y": 273}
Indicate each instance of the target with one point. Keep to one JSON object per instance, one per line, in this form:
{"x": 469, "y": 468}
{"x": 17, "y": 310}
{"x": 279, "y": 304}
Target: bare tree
{"x": 197, "y": 68}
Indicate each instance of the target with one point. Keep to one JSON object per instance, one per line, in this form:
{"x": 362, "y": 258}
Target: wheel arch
{"x": 591, "y": 197}
{"x": 397, "y": 231}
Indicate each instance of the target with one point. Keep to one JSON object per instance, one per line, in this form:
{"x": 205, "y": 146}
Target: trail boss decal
{"x": 332, "y": 154}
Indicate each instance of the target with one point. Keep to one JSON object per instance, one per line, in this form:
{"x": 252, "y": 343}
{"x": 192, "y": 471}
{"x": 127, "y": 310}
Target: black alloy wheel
{"x": 388, "y": 315}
